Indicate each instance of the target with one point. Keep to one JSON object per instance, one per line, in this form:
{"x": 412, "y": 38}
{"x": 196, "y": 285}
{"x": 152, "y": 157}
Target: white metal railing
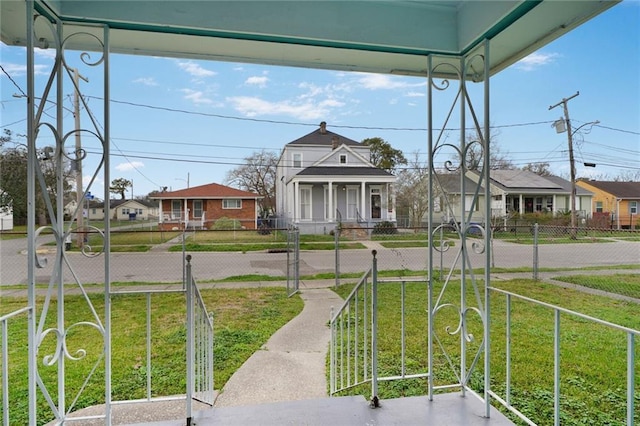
{"x": 199, "y": 345}
{"x": 352, "y": 347}
{"x": 354, "y": 327}
{"x": 506, "y": 399}
{"x": 4, "y": 346}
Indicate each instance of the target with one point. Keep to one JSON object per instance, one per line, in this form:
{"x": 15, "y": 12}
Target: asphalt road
{"x": 167, "y": 267}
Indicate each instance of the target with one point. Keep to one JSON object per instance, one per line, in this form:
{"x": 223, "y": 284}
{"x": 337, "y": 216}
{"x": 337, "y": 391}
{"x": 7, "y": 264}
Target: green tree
{"x": 258, "y": 175}
{"x": 119, "y": 186}
{"x": 13, "y": 180}
{"x": 383, "y": 155}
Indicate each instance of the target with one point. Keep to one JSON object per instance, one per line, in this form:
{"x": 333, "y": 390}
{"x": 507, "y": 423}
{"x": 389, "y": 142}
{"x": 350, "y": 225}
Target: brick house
{"x": 199, "y": 207}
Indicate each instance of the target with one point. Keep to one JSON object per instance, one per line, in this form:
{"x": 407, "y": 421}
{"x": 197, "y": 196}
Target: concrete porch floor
{"x": 446, "y": 409}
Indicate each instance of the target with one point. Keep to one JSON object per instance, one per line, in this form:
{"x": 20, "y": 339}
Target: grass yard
{"x": 244, "y": 320}
{"x": 593, "y": 357}
{"x": 623, "y": 284}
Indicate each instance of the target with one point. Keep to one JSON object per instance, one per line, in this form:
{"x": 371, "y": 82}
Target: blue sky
{"x": 174, "y": 118}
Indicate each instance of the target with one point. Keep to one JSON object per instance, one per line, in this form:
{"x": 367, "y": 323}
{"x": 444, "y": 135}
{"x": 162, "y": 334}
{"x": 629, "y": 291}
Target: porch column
{"x": 160, "y": 215}
{"x": 330, "y": 195}
{"x": 555, "y": 204}
{"x": 186, "y": 213}
{"x": 521, "y": 204}
{"x": 363, "y": 203}
{"x": 296, "y": 201}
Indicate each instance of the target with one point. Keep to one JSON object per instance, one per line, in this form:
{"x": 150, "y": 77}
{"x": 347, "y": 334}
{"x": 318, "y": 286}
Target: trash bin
{"x": 132, "y": 216}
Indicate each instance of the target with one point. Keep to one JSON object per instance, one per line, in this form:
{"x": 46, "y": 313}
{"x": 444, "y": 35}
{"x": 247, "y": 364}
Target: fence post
{"x": 190, "y": 354}
{"x": 336, "y": 235}
{"x": 535, "y": 252}
{"x": 374, "y": 331}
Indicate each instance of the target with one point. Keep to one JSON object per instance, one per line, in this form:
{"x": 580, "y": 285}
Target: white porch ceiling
{"x": 391, "y": 37}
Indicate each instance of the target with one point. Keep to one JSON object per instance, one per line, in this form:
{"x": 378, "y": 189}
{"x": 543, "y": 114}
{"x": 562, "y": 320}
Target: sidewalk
{"x": 291, "y": 366}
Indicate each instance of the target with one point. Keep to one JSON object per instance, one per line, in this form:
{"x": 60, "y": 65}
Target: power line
{"x": 13, "y": 81}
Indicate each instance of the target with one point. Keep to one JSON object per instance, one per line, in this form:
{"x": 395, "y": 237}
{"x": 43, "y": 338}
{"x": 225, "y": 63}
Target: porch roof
{"x": 344, "y": 171}
{"x": 391, "y": 37}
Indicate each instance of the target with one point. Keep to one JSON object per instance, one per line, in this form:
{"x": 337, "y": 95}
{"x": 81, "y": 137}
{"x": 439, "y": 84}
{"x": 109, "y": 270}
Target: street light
{"x": 186, "y": 180}
{"x": 560, "y": 128}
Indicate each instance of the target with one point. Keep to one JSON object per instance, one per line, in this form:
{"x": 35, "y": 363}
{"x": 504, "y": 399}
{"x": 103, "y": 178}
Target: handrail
{"x": 631, "y": 335}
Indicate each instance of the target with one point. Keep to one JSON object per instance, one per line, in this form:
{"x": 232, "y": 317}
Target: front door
{"x": 376, "y": 204}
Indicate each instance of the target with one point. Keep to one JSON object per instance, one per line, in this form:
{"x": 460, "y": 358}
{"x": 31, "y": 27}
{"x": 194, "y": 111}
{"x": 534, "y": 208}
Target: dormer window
{"x": 343, "y": 159}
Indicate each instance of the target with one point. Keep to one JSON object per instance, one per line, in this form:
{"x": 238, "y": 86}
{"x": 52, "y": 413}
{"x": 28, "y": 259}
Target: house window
{"x": 176, "y": 209}
{"x": 305, "y": 203}
{"x": 599, "y": 208}
{"x": 471, "y": 203}
{"x": 297, "y": 160}
{"x": 343, "y": 158}
{"x": 125, "y": 211}
{"x": 197, "y": 208}
{"x": 93, "y": 211}
{"x": 633, "y": 207}
{"x": 538, "y": 204}
{"x": 550, "y": 204}
{"x": 138, "y": 211}
{"x": 232, "y": 204}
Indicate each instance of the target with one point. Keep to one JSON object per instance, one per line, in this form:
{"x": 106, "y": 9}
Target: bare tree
{"x": 541, "y": 169}
{"x": 257, "y": 174}
{"x": 412, "y": 190}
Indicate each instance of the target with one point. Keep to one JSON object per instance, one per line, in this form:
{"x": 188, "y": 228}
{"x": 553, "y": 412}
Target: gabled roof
{"x": 324, "y": 137}
{"x": 623, "y": 190}
{"x": 343, "y": 147}
{"x": 344, "y": 171}
{"x": 208, "y": 191}
{"x": 117, "y": 203}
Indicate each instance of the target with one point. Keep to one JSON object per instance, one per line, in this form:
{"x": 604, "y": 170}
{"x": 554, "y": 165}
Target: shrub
{"x": 385, "y": 228}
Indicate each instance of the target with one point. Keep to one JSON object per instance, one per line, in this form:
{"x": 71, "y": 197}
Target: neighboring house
{"x": 200, "y": 207}
{"x": 615, "y": 204}
{"x": 6, "y": 218}
{"x": 122, "y": 210}
{"x": 324, "y": 179}
{"x": 514, "y": 191}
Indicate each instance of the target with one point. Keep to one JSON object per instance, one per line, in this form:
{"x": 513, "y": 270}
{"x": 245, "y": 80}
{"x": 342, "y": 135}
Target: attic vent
{"x": 323, "y": 128}
{"x": 334, "y": 142}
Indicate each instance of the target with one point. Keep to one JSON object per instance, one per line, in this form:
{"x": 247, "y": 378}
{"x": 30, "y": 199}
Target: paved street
{"x": 167, "y": 267}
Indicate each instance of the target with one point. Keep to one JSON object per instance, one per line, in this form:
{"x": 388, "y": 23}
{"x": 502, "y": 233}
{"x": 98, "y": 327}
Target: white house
{"x": 6, "y": 218}
{"x": 123, "y": 210}
{"x": 325, "y": 179}
{"x": 515, "y": 191}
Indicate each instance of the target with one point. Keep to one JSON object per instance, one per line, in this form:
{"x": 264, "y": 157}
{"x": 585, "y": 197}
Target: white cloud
{"x": 197, "y": 97}
{"x": 131, "y": 165}
{"x": 536, "y": 60}
{"x": 195, "y": 70}
{"x": 253, "y": 107}
{"x": 415, "y": 95}
{"x": 147, "y": 81}
{"x": 384, "y": 82}
{"x": 15, "y": 70}
{"x": 45, "y": 53}
{"x": 257, "y": 81}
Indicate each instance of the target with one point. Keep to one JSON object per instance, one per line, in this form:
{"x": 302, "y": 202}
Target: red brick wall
{"x": 213, "y": 210}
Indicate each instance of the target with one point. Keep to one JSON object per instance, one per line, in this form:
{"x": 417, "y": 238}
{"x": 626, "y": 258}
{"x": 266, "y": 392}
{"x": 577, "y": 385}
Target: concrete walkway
{"x": 291, "y": 365}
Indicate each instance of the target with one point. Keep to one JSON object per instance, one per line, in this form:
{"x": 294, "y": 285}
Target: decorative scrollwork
{"x": 41, "y": 261}
{"x": 445, "y": 244}
{"x": 85, "y": 57}
{"x": 478, "y": 244}
{"x": 461, "y": 327}
{"x": 62, "y": 347}
{"x": 87, "y": 250}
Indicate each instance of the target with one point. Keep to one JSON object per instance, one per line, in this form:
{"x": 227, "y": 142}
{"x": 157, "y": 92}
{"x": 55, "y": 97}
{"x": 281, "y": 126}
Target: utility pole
{"x": 79, "y": 157}
{"x": 563, "y": 102}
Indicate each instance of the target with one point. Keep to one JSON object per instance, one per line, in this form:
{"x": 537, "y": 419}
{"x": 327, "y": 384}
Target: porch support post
{"x": 330, "y": 214}
{"x": 296, "y": 201}
{"x": 486, "y": 169}
{"x": 520, "y": 204}
{"x": 363, "y": 201}
{"x": 31, "y": 196}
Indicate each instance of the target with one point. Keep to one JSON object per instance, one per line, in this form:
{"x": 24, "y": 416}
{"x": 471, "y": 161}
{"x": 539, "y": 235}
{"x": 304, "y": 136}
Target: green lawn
{"x": 593, "y": 369}
{"x": 244, "y": 320}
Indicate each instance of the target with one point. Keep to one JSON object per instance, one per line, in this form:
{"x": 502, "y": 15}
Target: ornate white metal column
{"x": 55, "y": 345}
{"x": 457, "y": 310}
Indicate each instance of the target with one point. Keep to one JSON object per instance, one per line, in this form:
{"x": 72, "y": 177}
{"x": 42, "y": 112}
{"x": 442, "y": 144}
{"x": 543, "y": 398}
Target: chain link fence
{"x": 140, "y": 252}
